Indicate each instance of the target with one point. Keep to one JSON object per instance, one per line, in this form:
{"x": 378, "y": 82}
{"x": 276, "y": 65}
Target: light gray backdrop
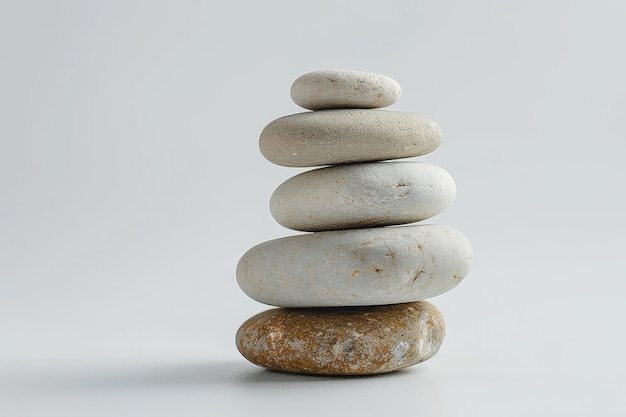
{"x": 131, "y": 183}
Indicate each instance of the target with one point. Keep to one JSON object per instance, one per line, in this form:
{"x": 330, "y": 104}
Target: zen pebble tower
{"x": 350, "y": 293}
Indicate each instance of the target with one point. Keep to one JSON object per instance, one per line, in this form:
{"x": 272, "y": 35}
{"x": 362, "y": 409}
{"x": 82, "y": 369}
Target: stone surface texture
{"x": 342, "y": 341}
{"x": 383, "y": 265}
{"x": 344, "y": 89}
{"x": 362, "y": 195}
{"x": 327, "y": 137}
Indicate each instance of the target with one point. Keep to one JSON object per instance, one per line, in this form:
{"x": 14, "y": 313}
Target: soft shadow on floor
{"x": 264, "y": 376}
{"x": 170, "y": 376}
{"x": 238, "y": 373}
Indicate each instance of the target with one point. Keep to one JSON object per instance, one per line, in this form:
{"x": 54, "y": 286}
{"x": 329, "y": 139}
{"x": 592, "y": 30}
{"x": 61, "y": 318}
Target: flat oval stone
{"x": 328, "y": 137}
{"x": 382, "y": 265}
{"x": 362, "y": 195}
{"x": 342, "y": 341}
{"x": 340, "y": 89}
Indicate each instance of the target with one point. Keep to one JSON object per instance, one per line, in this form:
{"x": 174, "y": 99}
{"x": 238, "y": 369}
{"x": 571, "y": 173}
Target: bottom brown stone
{"x": 342, "y": 340}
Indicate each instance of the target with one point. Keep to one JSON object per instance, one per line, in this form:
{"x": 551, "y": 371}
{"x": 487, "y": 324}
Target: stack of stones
{"x": 350, "y": 292}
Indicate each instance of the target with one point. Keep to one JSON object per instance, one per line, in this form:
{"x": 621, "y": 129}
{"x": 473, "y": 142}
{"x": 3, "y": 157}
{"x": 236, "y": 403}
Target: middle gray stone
{"x": 362, "y": 195}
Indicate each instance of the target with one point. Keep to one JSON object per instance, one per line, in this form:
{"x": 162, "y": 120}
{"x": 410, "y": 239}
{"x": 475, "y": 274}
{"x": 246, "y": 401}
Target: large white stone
{"x": 383, "y": 265}
{"x": 344, "y": 89}
{"x": 327, "y": 137}
{"x": 362, "y": 195}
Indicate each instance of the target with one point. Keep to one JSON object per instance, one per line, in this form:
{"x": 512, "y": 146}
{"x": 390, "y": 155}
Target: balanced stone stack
{"x": 350, "y": 293}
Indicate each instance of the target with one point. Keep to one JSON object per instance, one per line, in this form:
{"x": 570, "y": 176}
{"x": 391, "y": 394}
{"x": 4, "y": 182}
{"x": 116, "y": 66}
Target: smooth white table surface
{"x": 234, "y": 387}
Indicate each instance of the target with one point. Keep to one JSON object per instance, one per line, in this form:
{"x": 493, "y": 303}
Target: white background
{"x": 131, "y": 183}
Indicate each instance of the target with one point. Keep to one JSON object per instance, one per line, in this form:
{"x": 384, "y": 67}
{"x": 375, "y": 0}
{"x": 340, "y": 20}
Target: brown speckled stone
{"x": 343, "y": 340}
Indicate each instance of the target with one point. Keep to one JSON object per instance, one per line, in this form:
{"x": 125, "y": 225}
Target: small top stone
{"x": 340, "y": 89}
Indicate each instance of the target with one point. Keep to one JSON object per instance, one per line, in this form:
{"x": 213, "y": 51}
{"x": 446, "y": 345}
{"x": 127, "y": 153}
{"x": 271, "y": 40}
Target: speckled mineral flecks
{"x": 362, "y": 195}
{"x": 342, "y": 341}
{"x": 327, "y": 137}
{"x": 382, "y": 265}
{"x": 336, "y": 89}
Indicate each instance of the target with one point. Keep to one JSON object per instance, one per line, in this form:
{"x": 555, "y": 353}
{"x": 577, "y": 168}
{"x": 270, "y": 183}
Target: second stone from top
{"x": 328, "y": 137}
